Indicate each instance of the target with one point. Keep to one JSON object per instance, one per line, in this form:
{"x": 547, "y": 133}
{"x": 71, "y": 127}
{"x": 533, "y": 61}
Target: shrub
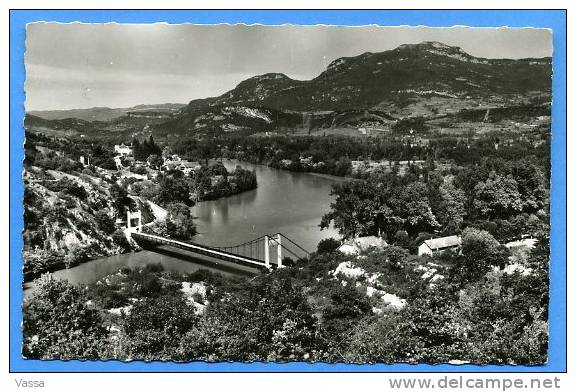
{"x": 58, "y": 323}
{"x": 104, "y": 222}
{"x": 328, "y": 245}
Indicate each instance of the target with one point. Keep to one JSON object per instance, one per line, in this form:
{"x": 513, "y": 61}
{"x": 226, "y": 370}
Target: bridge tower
{"x": 267, "y": 251}
{"x": 134, "y": 215}
{"x": 279, "y": 249}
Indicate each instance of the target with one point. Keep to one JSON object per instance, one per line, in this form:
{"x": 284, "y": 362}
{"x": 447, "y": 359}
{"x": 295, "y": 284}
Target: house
{"x": 439, "y": 245}
{"x": 172, "y": 159}
{"x": 527, "y": 243}
{"x": 123, "y": 150}
{"x": 187, "y": 167}
{"x": 362, "y": 244}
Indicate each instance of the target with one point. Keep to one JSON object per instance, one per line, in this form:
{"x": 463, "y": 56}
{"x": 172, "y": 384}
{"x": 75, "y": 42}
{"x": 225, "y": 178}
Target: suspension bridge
{"x": 263, "y": 253}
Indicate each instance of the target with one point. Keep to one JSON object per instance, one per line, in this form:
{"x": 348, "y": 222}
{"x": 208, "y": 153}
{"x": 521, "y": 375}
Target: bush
{"x": 154, "y": 267}
{"x": 120, "y": 240}
{"x": 328, "y": 245}
{"x": 180, "y": 222}
{"x": 139, "y": 170}
{"x": 75, "y": 255}
{"x": 148, "y": 284}
{"x": 58, "y": 323}
{"x": 155, "y": 327}
{"x": 104, "y": 222}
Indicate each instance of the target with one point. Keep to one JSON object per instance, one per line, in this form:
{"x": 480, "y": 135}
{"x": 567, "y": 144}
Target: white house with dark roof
{"x": 439, "y": 245}
{"x": 187, "y": 167}
{"x": 123, "y": 150}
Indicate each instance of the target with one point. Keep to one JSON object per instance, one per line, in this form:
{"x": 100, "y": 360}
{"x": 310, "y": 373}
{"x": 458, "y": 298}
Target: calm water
{"x": 286, "y": 202}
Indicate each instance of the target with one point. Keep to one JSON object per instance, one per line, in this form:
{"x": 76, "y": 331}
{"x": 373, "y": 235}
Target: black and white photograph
{"x": 287, "y": 193}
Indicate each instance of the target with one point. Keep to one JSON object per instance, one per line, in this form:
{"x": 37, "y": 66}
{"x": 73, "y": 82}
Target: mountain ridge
{"x": 102, "y": 113}
{"x": 365, "y": 80}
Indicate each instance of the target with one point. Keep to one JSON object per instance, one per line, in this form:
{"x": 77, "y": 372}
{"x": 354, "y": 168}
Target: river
{"x": 286, "y": 202}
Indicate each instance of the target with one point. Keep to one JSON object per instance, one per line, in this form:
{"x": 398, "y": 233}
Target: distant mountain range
{"x": 104, "y": 113}
{"x": 371, "y": 78}
{"x": 413, "y": 80}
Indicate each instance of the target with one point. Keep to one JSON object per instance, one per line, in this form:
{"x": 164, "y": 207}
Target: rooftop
{"x": 443, "y": 242}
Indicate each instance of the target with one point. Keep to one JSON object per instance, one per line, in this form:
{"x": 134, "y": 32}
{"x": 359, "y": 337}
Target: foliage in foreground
{"x": 306, "y": 313}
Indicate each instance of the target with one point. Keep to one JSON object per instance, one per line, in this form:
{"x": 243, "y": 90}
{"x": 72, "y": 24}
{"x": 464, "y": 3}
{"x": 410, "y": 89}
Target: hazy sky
{"x": 121, "y": 65}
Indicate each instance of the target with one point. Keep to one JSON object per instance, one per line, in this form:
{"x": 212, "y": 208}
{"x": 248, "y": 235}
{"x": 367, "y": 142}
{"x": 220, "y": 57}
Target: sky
{"x": 71, "y": 66}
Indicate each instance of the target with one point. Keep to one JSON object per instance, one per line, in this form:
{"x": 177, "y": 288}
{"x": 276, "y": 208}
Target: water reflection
{"x": 175, "y": 260}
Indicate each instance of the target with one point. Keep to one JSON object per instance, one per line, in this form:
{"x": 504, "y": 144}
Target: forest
{"x": 333, "y": 154}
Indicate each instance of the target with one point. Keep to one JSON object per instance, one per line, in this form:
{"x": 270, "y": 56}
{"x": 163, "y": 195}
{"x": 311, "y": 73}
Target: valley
{"x": 416, "y": 181}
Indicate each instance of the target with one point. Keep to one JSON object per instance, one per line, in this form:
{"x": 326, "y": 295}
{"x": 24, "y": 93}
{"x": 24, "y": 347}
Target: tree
{"x": 120, "y": 199}
{"x": 452, "y": 208}
{"x": 413, "y": 207}
{"x": 531, "y": 184}
{"x": 467, "y": 179}
{"x": 504, "y": 319}
{"x": 328, "y": 245}
{"x": 345, "y": 308}
{"x": 155, "y": 161}
{"x": 360, "y": 209}
{"x": 481, "y": 253}
{"x": 402, "y": 239}
{"x": 104, "y": 222}
{"x": 180, "y": 222}
{"x": 143, "y": 150}
{"x": 70, "y": 187}
{"x": 387, "y": 338}
{"x": 268, "y": 318}
{"x": 120, "y": 240}
{"x": 156, "y": 325}
{"x": 431, "y": 322}
{"x": 244, "y": 179}
{"x": 59, "y": 324}
{"x": 171, "y": 191}
{"x": 137, "y": 150}
{"x": 497, "y": 197}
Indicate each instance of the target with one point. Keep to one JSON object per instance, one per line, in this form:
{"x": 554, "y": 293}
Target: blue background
{"x": 555, "y": 20}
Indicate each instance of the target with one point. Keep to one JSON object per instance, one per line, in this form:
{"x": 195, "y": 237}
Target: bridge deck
{"x": 203, "y": 250}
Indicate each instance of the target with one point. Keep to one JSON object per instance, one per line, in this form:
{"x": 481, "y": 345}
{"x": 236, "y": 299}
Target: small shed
{"x": 439, "y": 245}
